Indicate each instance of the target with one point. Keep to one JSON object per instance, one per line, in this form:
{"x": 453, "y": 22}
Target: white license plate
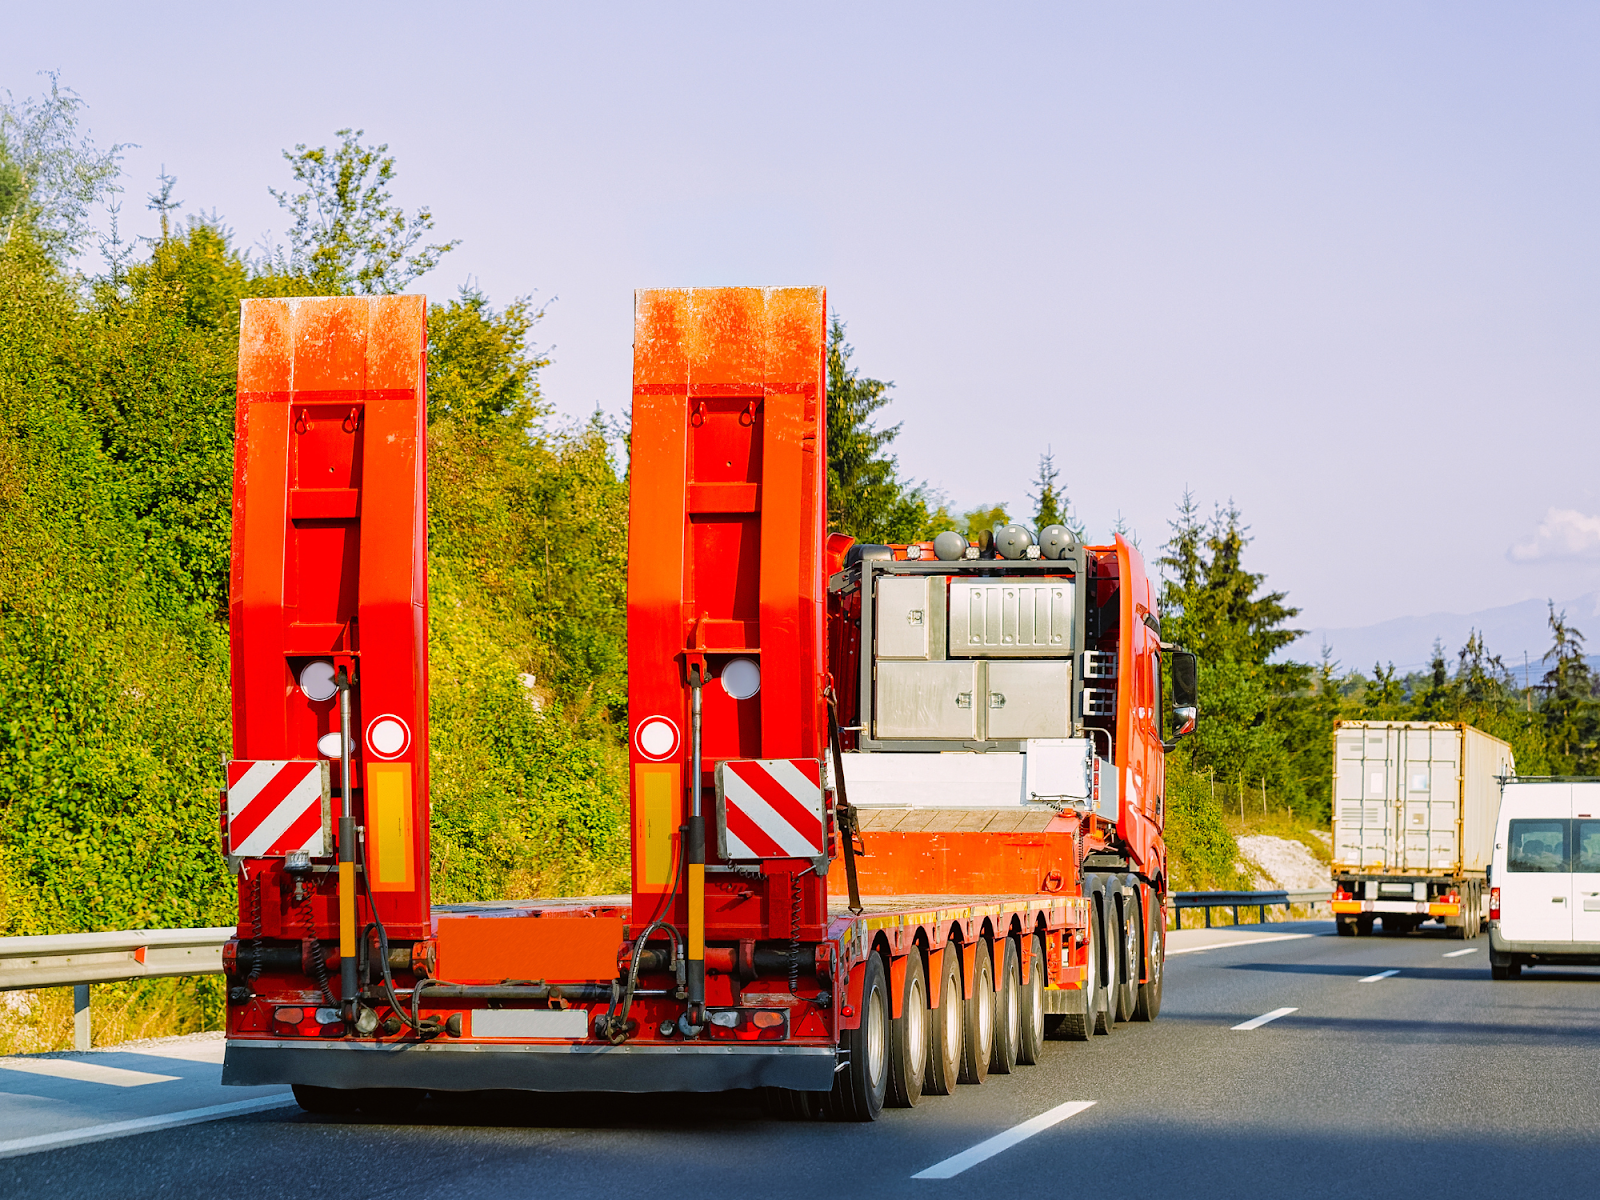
{"x": 530, "y": 1023}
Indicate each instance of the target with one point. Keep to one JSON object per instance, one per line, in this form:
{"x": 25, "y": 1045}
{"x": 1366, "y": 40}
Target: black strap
{"x": 843, "y": 813}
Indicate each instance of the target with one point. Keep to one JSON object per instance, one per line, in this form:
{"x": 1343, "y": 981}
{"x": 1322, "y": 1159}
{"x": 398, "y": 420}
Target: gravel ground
{"x": 1281, "y": 862}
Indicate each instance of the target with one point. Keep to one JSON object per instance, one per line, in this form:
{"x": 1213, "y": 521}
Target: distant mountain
{"x": 1510, "y": 631}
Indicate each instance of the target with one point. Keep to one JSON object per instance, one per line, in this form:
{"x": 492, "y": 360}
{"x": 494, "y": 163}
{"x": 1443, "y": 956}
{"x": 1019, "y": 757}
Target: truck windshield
{"x": 1537, "y": 846}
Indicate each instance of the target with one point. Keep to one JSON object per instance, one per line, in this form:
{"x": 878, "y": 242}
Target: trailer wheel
{"x": 908, "y": 1037}
{"x": 1364, "y": 925}
{"x": 859, "y": 1089}
{"x": 785, "y": 1105}
{"x": 1149, "y": 1006}
{"x": 1031, "y": 1049}
{"x": 1007, "y": 1012}
{"x": 325, "y": 1100}
{"x": 389, "y": 1103}
{"x": 977, "y": 1028}
{"x": 1102, "y": 1001}
{"x": 944, "y": 1050}
{"x": 1344, "y": 925}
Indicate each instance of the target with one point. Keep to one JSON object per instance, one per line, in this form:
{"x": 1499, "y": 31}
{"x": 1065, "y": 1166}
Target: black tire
{"x": 908, "y": 1037}
{"x": 859, "y": 1089}
{"x": 944, "y": 1042}
{"x": 1364, "y": 925}
{"x": 1031, "y": 1050}
{"x": 1504, "y": 968}
{"x": 785, "y": 1105}
{"x": 1129, "y": 953}
{"x": 326, "y": 1100}
{"x": 1345, "y": 925}
{"x": 1103, "y": 1001}
{"x": 1079, "y": 1026}
{"x": 977, "y": 1030}
{"x": 1149, "y": 1006}
{"x": 1007, "y": 1012}
{"x": 389, "y": 1103}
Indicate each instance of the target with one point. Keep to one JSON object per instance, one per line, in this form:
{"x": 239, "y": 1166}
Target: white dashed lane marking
{"x": 1258, "y": 1022}
{"x": 957, "y": 1163}
{"x": 1378, "y": 976}
{"x": 1459, "y": 953}
{"x": 82, "y": 1072}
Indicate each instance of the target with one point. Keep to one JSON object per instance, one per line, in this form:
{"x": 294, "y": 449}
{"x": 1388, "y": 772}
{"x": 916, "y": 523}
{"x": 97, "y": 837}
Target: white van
{"x": 1544, "y": 883}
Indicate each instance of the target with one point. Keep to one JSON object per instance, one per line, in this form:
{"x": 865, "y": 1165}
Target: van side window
{"x": 1538, "y": 846}
{"x": 1586, "y": 846}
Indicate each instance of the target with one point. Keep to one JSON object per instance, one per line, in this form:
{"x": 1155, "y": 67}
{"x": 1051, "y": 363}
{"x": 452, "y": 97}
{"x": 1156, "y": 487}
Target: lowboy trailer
{"x": 896, "y": 810}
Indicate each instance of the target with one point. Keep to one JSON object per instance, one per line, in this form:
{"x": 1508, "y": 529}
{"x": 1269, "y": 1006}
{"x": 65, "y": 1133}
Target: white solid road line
{"x": 82, "y": 1072}
{"x": 99, "y": 1133}
{"x": 1258, "y": 1022}
{"x": 1271, "y": 937}
{"x": 958, "y": 1163}
{"x": 1378, "y": 976}
{"x": 1459, "y": 953}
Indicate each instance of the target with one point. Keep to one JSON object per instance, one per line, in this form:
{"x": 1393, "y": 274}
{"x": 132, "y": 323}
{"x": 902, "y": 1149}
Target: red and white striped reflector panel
{"x": 770, "y": 808}
{"x": 276, "y": 807}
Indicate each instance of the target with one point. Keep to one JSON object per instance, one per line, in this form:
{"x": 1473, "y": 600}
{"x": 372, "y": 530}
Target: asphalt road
{"x": 1430, "y": 1079}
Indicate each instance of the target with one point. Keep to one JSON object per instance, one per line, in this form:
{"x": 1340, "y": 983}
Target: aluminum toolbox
{"x": 1020, "y": 618}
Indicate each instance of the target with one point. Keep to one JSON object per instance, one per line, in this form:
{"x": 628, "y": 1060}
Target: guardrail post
{"x": 80, "y": 1016}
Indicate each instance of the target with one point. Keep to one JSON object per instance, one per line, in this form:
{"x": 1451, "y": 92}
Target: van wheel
{"x": 944, "y": 1049}
{"x": 1031, "y": 1049}
{"x": 977, "y": 1030}
{"x": 1509, "y": 968}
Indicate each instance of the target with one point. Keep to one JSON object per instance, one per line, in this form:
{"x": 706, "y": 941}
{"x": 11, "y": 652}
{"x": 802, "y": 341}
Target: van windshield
{"x": 1538, "y": 846}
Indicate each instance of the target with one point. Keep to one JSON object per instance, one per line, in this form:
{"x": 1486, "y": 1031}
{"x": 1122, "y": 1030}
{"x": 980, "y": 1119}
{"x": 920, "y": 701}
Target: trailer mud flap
{"x": 551, "y": 1067}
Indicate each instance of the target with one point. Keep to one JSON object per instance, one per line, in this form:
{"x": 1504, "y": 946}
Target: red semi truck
{"x": 896, "y": 810}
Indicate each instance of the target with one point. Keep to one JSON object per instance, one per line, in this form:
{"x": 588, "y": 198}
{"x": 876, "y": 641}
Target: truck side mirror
{"x": 1185, "y": 695}
{"x": 1188, "y": 717}
{"x": 1185, "y": 680}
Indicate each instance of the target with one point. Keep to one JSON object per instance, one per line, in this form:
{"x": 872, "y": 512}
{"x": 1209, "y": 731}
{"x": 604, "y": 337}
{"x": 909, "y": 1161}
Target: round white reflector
{"x": 316, "y": 680}
{"x": 657, "y": 738}
{"x": 388, "y": 736}
{"x": 330, "y": 745}
{"x": 741, "y": 678}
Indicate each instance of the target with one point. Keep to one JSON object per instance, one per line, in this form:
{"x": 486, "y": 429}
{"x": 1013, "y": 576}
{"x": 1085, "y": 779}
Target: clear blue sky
{"x": 1334, "y": 260}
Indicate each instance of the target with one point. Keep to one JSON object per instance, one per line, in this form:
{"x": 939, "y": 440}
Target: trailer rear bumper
{"x": 1436, "y": 908}
{"x": 543, "y": 1067}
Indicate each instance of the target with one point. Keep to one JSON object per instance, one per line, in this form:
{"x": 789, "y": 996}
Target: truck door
{"x": 1536, "y": 893}
{"x": 1585, "y": 862}
{"x": 1430, "y": 786}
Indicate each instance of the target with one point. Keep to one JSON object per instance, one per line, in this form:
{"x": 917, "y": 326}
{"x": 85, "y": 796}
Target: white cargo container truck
{"x": 1414, "y": 809}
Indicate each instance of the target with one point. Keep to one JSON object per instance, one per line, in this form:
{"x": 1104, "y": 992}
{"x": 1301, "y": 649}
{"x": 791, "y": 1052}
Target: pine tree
{"x": 1050, "y": 503}
{"x": 1569, "y": 712}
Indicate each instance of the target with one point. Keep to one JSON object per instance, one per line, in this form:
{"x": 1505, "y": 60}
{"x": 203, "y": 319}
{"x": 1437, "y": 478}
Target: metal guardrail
{"x": 79, "y": 959}
{"x": 1178, "y": 901}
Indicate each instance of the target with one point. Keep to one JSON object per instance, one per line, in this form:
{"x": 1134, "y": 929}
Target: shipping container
{"x": 1414, "y": 807}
